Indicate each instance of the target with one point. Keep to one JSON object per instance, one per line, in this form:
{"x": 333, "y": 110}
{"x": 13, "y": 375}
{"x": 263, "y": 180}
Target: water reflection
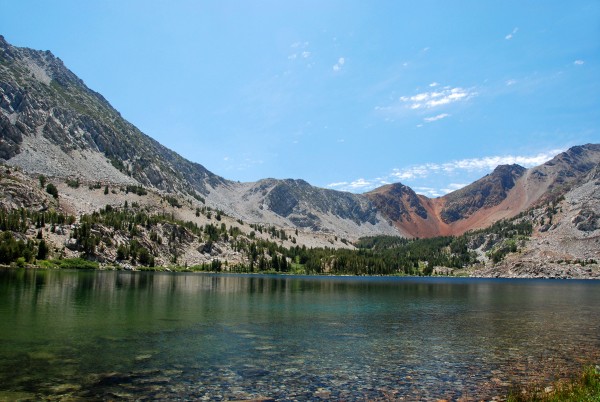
{"x": 240, "y": 337}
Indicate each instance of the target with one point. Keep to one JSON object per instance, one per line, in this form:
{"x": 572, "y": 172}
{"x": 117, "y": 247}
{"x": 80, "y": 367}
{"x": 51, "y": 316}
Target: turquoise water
{"x": 129, "y": 335}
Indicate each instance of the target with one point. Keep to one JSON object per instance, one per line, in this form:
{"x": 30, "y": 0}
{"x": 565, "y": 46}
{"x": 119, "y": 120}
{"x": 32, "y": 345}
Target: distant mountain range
{"x": 504, "y": 193}
{"x": 51, "y": 123}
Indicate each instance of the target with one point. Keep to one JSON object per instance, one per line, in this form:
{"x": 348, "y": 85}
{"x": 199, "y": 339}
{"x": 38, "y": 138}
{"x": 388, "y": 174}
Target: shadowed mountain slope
{"x": 52, "y": 123}
{"x": 486, "y": 192}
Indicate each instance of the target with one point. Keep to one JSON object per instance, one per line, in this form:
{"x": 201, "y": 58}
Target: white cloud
{"x": 428, "y": 191}
{"x": 512, "y": 34}
{"x": 578, "y": 62}
{"x": 299, "y": 50}
{"x": 431, "y": 99}
{"x": 412, "y": 172}
{"x": 338, "y": 184}
{"x": 419, "y": 173}
{"x": 453, "y": 187}
{"x": 340, "y": 63}
{"x": 435, "y": 118}
{"x": 490, "y": 162}
{"x": 360, "y": 184}
{"x": 510, "y": 82}
{"x": 301, "y": 45}
{"x": 434, "y": 84}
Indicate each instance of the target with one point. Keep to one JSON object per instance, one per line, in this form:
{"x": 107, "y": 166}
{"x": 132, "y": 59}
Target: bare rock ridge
{"x": 486, "y": 192}
{"x": 11, "y": 139}
{"x": 51, "y": 123}
{"x": 45, "y": 106}
{"x": 565, "y": 171}
{"x": 295, "y": 199}
{"x": 398, "y": 202}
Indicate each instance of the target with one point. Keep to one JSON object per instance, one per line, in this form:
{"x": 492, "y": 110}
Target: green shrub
{"x": 77, "y": 263}
{"x": 585, "y": 387}
{"x": 52, "y": 190}
{"x": 73, "y": 183}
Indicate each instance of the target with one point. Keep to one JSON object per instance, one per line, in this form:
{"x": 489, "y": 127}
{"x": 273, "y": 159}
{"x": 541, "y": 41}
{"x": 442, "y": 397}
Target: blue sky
{"x": 346, "y": 94}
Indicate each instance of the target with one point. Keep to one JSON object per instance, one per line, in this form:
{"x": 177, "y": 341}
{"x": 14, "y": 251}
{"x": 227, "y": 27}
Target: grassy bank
{"x": 584, "y": 387}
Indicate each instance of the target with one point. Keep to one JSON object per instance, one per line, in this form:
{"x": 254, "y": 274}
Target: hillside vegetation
{"x": 148, "y": 230}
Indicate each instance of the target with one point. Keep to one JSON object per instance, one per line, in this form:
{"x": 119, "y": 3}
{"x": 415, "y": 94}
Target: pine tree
{"x": 42, "y": 250}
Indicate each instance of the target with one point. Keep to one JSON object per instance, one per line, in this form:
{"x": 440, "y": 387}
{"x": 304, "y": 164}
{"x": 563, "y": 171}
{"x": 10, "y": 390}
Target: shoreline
{"x": 55, "y": 265}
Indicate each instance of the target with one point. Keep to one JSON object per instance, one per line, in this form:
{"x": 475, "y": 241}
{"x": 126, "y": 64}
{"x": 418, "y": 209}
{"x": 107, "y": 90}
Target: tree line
{"x": 146, "y": 232}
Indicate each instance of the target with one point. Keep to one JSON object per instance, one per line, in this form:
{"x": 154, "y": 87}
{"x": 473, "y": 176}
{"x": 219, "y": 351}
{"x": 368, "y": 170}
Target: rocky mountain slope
{"x": 566, "y": 239}
{"x": 172, "y": 230}
{"x": 485, "y": 193}
{"x": 52, "y": 124}
{"x": 502, "y": 194}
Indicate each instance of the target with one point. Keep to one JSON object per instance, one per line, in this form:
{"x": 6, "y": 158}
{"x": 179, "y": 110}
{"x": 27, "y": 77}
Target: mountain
{"x": 566, "y": 219}
{"x": 485, "y": 193}
{"x": 157, "y": 206}
{"x": 51, "y": 123}
{"x": 412, "y": 214}
{"x": 506, "y": 192}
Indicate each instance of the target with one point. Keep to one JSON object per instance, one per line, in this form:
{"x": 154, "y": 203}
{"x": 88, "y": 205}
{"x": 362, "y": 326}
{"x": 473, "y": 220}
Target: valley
{"x": 176, "y": 213}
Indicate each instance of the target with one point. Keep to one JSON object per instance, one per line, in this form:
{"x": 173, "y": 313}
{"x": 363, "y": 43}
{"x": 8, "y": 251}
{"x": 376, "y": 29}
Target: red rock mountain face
{"x": 504, "y": 193}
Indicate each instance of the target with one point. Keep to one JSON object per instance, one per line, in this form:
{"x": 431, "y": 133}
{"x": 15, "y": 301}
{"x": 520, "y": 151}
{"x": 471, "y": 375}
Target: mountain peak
{"x": 397, "y": 202}
{"x": 508, "y": 169}
{"x": 486, "y": 192}
{"x": 579, "y": 157}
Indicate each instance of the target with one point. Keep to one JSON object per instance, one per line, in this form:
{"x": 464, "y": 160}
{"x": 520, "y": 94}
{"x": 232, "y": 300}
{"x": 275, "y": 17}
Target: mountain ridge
{"x": 51, "y": 123}
{"x": 50, "y": 105}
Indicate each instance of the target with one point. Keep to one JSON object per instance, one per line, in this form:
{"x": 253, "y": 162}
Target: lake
{"x": 126, "y": 335}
